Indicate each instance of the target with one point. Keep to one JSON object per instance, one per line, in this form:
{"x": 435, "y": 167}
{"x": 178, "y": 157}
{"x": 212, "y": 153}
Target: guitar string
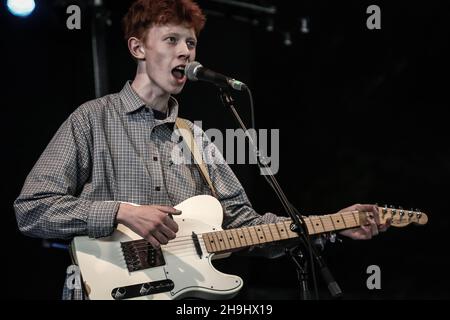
{"x": 346, "y": 214}
{"x": 143, "y": 245}
{"x": 180, "y": 240}
{"x": 191, "y": 249}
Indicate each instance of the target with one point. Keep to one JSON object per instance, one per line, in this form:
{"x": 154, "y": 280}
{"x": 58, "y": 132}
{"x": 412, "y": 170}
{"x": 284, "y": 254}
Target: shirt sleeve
{"x": 48, "y": 205}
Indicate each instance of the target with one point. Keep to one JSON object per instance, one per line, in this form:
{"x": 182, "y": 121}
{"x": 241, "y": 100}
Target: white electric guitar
{"x": 124, "y": 266}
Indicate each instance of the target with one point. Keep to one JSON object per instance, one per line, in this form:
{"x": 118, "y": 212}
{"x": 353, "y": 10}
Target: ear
{"x": 136, "y": 48}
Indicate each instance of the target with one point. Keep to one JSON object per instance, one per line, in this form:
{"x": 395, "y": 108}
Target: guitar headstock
{"x": 401, "y": 217}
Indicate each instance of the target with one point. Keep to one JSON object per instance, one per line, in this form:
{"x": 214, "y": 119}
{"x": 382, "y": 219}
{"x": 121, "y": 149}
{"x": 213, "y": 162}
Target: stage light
{"x": 20, "y": 8}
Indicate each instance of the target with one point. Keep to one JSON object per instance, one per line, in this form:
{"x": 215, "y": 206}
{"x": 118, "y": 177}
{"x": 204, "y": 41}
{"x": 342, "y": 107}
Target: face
{"x": 168, "y": 48}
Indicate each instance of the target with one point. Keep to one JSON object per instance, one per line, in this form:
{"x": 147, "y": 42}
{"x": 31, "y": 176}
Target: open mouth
{"x": 178, "y": 72}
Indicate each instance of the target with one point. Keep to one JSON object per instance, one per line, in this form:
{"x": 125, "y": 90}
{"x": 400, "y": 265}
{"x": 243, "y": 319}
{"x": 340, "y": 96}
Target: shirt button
{"x": 158, "y": 188}
{"x": 155, "y": 158}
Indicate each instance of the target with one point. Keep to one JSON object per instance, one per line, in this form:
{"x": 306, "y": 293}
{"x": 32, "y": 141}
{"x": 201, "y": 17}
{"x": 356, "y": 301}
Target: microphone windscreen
{"x": 190, "y": 70}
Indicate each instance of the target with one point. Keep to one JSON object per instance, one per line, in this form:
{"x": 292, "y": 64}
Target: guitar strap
{"x": 189, "y": 140}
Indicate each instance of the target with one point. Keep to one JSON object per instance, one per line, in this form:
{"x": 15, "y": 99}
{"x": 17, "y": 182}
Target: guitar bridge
{"x": 140, "y": 255}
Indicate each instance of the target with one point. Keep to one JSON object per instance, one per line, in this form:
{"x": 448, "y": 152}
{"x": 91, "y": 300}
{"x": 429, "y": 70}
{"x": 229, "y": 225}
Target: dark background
{"x": 362, "y": 118}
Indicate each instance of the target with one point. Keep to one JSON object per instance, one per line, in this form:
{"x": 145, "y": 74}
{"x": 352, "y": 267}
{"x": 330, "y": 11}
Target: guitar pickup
{"x": 142, "y": 289}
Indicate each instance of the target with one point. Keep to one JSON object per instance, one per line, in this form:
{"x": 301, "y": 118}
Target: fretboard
{"x": 226, "y": 240}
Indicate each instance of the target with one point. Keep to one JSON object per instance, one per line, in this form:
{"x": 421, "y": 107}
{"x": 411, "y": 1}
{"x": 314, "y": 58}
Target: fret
{"x": 236, "y": 238}
{"x": 274, "y": 231}
{"x": 318, "y": 226}
{"x": 230, "y": 239}
{"x": 214, "y": 242}
{"x": 290, "y": 233}
{"x": 248, "y": 237}
{"x": 313, "y": 227}
{"x": 254, "y": 235}
{"x": 309, "y": 226}
{"x": 327, "y": 223}
{"x": 349, "y": 220}
{"x": 267, "y": 233}
{"x": 260, "y": 233}
{"x": 241, "y": 236}
{"x": 338, "y": 221}
{"x": 220, "y": 244}
{"x": 356, "y": 217}
{"x": 223, "y": 233}
{"x": 282, "y": 230}
{"x": 207, "y": 241}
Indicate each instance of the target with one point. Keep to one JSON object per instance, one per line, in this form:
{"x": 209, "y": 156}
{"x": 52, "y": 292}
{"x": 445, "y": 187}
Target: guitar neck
{"x": 226, "y": 240}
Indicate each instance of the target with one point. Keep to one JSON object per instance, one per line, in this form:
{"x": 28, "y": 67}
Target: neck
{"x": 226, "y": 240}
{"x": 151, "y": 94}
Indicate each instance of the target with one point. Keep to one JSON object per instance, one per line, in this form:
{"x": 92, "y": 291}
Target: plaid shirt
{"x": 114, "y": 149}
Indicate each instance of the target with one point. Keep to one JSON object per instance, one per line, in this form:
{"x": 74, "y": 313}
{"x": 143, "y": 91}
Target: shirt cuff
{"x": 101, "y": 219}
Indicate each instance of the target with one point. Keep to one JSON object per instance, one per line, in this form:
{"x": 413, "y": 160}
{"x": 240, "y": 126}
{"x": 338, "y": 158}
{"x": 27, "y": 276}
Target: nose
{"x": 183, "y": 51}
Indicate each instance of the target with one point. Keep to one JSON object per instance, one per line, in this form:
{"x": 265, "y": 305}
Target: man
{"x": 116, "y": 150}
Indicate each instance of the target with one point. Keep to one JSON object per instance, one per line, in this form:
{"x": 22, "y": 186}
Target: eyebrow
{"x": 179, "y": 35}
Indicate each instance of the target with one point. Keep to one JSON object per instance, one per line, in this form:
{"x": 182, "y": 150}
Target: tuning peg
{"x": 401, "y": 211}
{"x": 410, "y": 213}
{"x": 394, "y": 211}
{"x": 418, "y": 213}
{"x": 385, "y": 209}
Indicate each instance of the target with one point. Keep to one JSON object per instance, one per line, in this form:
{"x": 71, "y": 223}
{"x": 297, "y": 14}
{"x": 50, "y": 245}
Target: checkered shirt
{"x": 114, "y": 149}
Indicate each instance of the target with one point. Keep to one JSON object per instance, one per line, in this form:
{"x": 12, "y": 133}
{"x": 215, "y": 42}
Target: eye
{"x": 191, "y": 44}
{"x": 171, "y": 39}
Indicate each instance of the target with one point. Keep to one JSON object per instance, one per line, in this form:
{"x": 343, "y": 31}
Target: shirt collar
{"x": 131, "y": 102}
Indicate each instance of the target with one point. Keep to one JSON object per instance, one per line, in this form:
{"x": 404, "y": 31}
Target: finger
{"x": 365, "y": 207}
{"x": 385, "y": 226}
{"x": 364, "y": 233}
{"x": 168, "y": 233}
{"x": 172, "y": 225}
{"x": 162, "y": 239}
{"x": 373, "y": 228}
{"x": 376, "y": 215}
{"x": 168, "y": 209}
{"x": 151, "y": 239}
{"x": 351, "y": 208}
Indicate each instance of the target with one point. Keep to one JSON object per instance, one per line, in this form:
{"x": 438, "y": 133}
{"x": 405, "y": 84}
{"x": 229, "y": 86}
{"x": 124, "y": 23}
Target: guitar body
{"x": 184, "y": 272}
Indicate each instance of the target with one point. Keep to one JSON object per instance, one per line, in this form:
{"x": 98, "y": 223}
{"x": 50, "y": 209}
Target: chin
{"x": 176, "y": 90}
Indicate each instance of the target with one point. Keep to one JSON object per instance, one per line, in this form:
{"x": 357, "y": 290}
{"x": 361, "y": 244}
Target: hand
{"x": 368, "y": 231}
{"x": 153, "y": 223}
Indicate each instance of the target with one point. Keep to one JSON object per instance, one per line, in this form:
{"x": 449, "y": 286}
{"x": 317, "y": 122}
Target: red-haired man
{"x": 116, "y": 150}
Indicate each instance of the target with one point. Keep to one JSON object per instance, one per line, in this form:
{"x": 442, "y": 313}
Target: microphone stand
{"x": 298, "y": 224}
{"x": 301, "y": 264}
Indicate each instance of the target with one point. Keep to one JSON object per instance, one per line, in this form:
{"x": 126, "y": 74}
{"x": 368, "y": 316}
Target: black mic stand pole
{"x": 298, "y": 224}
{"x": 301, "y": 264}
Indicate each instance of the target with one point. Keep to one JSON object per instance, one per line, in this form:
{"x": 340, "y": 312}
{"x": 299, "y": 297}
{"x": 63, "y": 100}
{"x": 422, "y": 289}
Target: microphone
{"x": 194, "y": 71}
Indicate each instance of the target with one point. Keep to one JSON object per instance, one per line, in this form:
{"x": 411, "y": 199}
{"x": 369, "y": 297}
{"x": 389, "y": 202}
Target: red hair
{"x": 146, "y": 13}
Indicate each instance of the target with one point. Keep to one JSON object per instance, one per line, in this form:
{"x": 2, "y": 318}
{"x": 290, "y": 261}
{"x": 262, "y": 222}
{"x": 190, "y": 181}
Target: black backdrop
{"x": 361, "y": 113}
